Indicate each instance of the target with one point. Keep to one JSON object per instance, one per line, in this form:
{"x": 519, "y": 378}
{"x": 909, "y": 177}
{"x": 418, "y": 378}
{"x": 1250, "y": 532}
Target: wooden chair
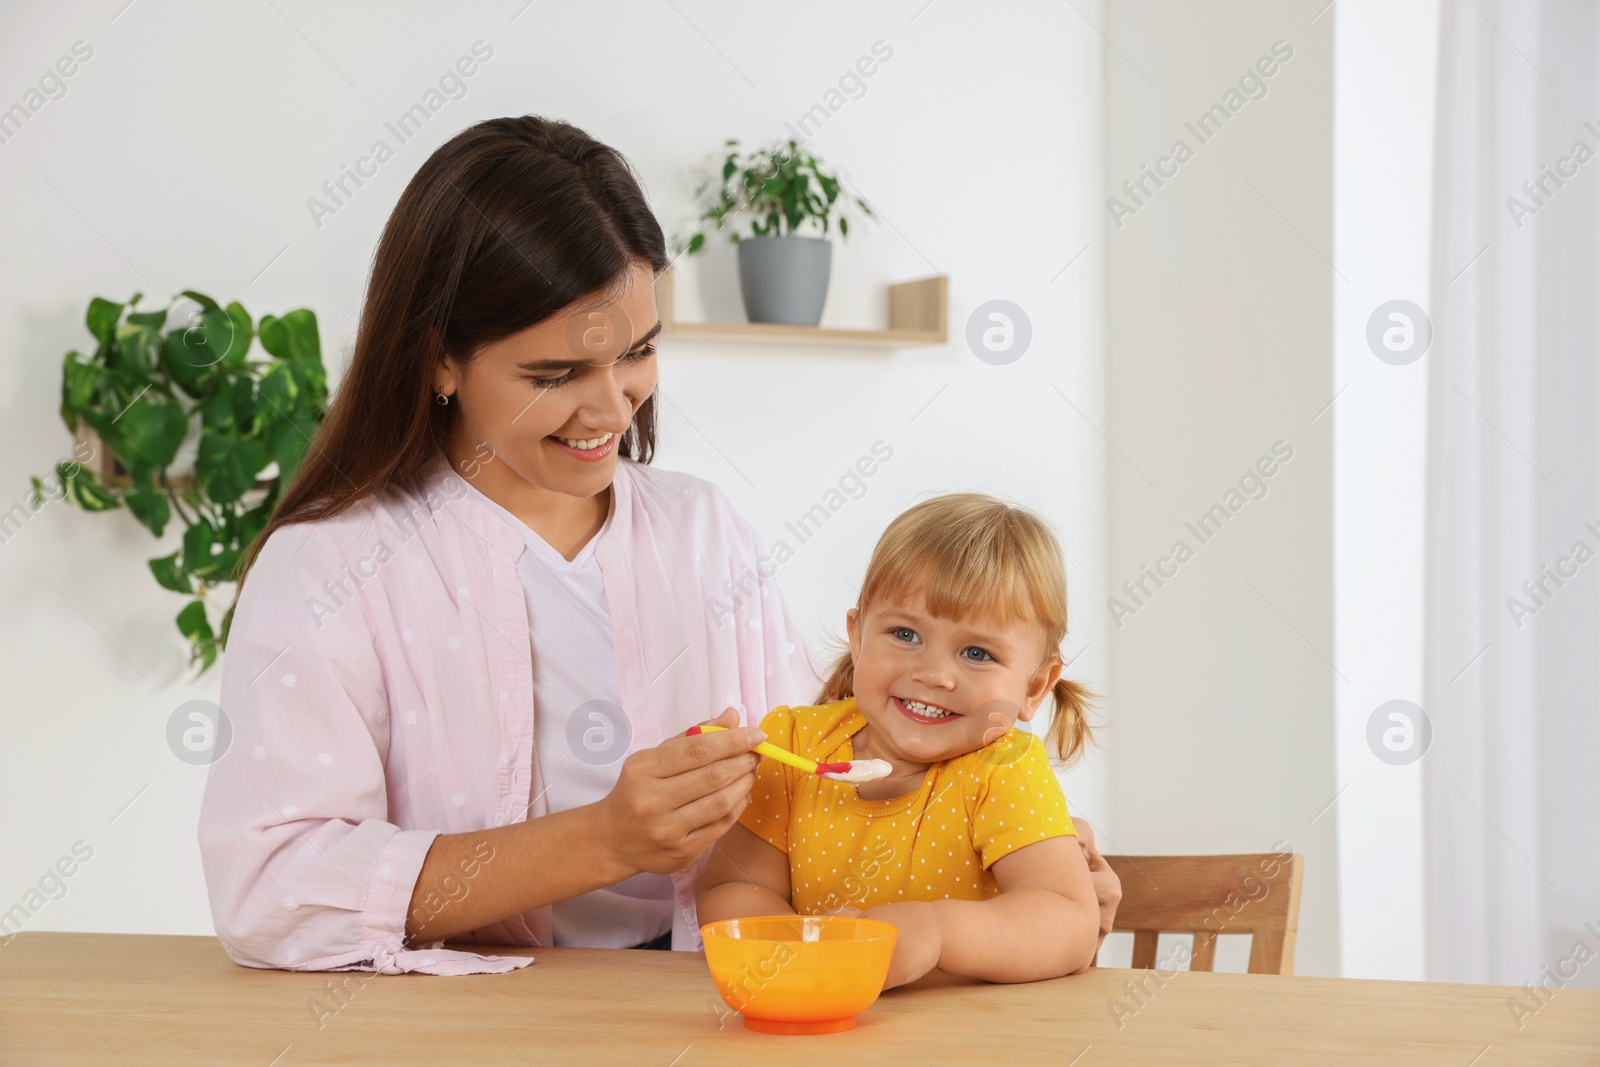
{"x": 1210, "y": 895}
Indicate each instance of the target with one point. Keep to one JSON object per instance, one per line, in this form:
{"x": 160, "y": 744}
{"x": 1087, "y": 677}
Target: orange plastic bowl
{"x": 799, "y": 974}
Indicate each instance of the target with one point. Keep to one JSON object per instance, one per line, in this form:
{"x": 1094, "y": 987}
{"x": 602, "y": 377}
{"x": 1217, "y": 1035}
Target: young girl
{"x": 966, "y": 847}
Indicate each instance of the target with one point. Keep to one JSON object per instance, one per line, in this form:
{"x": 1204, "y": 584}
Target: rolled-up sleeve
{"x": 303, "y": 868}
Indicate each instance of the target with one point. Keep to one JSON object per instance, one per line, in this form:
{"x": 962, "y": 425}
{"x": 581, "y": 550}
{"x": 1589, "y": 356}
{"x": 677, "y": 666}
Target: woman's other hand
{"x": 674, "y": 801}
{"x": 1107, "y": 886}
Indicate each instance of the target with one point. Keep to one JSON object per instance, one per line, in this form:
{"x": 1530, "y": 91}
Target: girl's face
{"x": 932, "y": 689}
{"x": 549, "y": 404}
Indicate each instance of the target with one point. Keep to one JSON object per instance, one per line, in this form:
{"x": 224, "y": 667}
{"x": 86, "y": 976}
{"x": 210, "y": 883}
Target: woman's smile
{"x": 588, "y": 449}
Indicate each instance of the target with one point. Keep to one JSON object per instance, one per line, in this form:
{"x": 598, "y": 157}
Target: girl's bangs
{"x": 959, "y": 588}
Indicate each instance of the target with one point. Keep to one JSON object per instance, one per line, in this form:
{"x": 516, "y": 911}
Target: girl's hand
{"x": 674, "y": 801}
{"x": 917, "y": 948}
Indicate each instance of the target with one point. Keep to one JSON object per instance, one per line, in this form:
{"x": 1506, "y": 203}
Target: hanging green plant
{"x": 147, "y": 389}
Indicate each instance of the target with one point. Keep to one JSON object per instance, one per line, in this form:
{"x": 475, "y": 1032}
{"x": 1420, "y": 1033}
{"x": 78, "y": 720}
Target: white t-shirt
{"x": 577, "y": 740}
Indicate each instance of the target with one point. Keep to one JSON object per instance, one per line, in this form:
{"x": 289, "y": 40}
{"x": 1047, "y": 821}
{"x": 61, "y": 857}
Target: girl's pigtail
{"x": 1070, "y": 731}
{"x": 841, "y": 681}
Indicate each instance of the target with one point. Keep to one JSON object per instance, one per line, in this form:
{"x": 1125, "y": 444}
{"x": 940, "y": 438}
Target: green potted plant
{"x": 778, "y": 204}
{"x": 146, "y": 391}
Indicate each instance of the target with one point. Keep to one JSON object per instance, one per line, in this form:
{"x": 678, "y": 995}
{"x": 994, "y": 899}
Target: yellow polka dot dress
{"x": 934, "y": 843}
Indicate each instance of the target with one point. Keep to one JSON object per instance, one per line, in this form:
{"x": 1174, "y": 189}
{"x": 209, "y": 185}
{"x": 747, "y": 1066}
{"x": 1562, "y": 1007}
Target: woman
{"x": 479, "y": 622}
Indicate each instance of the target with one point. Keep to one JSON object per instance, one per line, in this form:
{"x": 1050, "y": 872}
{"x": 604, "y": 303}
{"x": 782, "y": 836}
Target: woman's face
{"x": 551, "y": 402}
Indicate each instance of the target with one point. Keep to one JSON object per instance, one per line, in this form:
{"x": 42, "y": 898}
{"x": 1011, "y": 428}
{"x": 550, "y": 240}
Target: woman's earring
{"x": 442, "y": 399}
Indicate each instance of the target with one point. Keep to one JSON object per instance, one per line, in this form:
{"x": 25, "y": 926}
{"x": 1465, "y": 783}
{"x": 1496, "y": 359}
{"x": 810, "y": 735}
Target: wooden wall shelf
{"x": 919, "y": 314}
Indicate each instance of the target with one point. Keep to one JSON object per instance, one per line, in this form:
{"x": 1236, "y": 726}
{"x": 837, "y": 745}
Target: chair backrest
{"x": 1209, "y": 895}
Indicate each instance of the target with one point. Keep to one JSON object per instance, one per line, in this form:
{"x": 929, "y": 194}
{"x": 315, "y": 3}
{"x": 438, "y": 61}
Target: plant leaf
{"x": 193, "y": 624}
{"x": 252, "y": 522}
{"x": 243, "y": 333}
{"x": 205, "y": 342}
{"x": 78, "y": 381}
{"x": 152, "y": 431}
{"x": 244, "y": 401}
{"x": 153, "y": 319}
{"x": 226, "y": 466}
{"x": 197, "y": 542}
{"x": 291, "y": 436}
{"x": 280, "y": 389}
{"x": 102, "y": 318}
{"x": 220, "y": 569}
{"x": 171, "y": 575}
{"x": 292, "y": 337}
{"x": 187, "y": 366}
{"x": 83, "y": 490}
{"x": 132, "y": 353}
{"x": 216, "y": 413}
{"x": 150, "y": 507}
{"x": 313, "y": 381}
{"x": 222, "y": 338}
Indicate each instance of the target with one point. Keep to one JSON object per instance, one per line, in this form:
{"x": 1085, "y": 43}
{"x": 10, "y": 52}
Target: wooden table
{"x": 173, "y": 1001}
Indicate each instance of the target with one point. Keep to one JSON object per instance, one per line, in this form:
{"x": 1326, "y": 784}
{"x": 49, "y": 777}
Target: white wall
{"x": 1383, "y": 166}
{"x": 184, "y": 153}
{"x": 1219, "y": 327}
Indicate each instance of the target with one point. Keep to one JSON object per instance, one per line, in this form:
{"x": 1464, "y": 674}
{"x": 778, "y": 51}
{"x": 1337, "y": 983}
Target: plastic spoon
{"x": 855, "y": 772}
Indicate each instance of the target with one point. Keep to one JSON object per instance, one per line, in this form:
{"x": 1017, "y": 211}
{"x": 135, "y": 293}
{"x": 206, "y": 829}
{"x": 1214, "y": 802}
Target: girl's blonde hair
{"x": 970, "y": 554}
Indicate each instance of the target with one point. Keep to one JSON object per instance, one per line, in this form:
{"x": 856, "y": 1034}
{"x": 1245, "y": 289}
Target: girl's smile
{"x": 921, "y": 711}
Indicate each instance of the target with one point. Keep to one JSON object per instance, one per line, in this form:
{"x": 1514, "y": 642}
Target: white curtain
{"x": 1512, "y": 679}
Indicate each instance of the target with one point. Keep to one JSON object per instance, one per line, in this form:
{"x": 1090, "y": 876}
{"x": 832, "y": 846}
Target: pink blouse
{"x": 379, "y": 687}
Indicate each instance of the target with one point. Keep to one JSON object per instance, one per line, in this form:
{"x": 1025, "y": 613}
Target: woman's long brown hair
{"x": 505, "y": 224}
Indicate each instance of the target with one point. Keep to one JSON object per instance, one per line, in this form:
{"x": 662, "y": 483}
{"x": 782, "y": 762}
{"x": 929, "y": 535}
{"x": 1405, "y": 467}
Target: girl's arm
{"x": 745, "y": 876}
{"x": 1044, "y": 923}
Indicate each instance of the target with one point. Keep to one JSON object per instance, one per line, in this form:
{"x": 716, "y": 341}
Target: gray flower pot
{"x": 785, "y": 279}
